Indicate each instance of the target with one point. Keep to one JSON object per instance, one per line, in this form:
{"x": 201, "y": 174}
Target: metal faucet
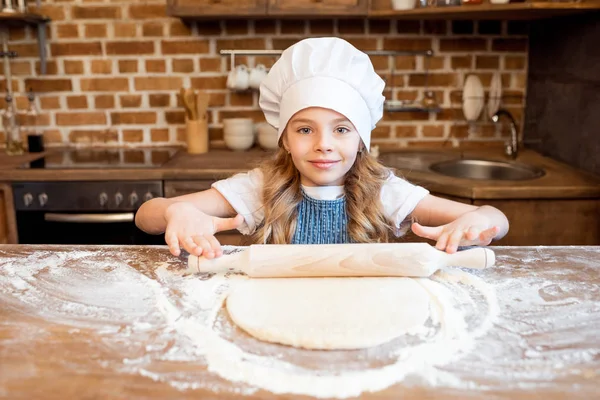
{"x": 512, "y": 147}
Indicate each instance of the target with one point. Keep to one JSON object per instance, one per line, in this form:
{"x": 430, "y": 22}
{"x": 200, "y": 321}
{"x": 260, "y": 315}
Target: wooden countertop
{"x": 559, "y": 181}
{"x": 79, "y": 321}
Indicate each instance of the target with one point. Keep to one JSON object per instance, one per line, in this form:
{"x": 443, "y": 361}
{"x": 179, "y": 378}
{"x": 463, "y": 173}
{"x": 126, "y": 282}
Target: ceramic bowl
{"x": 267, "y": 136}
{"x": 238, "y": 127}
{"x": 238, "y": 142}
{"x": 473, "y": 98}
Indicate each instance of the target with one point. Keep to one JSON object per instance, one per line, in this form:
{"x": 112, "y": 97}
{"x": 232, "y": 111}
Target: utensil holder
{"x": 197, "y": 136}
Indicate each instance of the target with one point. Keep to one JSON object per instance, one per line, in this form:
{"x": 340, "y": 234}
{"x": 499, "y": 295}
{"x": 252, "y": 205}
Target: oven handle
{"x": 86, "y": 218}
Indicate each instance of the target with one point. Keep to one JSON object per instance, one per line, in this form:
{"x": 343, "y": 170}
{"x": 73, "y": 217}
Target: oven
{"x": 89, "y": 212}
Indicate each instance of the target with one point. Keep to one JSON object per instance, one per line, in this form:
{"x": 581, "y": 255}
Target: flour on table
{"x": 483, "y": 330}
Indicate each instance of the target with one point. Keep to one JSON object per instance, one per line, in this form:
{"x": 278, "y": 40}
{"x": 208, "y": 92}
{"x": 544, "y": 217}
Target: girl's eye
{"x": 342, "y": 130}
{"x": 305, "y": 131}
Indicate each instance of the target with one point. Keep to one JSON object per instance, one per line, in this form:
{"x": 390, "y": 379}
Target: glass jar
{"x": 14, "y": 144}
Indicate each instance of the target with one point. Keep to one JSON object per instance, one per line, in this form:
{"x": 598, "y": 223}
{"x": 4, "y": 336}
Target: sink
{"x": 485, "y": 169}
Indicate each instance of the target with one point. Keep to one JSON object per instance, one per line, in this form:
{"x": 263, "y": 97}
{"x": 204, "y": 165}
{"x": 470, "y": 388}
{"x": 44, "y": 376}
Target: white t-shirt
{"x": 244, "y": 192}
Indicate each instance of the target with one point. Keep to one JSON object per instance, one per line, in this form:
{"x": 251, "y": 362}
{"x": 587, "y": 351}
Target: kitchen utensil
{"x": 356, "y": 259}
{"x": 238, "y": 127}
{"x": 197, "y": 130}
{"x": 238, "y": 78}
{"x": 403, "y": 4}
{"x": 257, "y": 75}
{"x": 188, "y": 99}
{"x": 267, "y": 136}
{"x": 493, "y": 104}
{"x": 473, "y": 98}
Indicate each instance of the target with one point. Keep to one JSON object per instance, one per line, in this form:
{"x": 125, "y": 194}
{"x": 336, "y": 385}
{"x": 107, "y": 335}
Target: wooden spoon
{"x": 202, "y": 99}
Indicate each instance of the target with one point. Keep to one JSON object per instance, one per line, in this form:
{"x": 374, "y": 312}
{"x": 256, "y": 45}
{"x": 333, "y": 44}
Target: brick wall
{"x": 115, "y": 68}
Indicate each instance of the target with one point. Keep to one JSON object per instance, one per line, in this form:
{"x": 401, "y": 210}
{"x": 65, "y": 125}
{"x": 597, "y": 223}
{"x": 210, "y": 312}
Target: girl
{"x": 322, "y": 186}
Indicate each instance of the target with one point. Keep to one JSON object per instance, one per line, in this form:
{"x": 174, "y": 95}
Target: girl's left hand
{"x": 464, "y": 231}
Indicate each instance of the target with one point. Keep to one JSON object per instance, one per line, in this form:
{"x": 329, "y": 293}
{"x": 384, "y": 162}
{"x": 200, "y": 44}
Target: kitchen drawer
{"x": 318, "y": 7}
{"x": 207, "y": 8}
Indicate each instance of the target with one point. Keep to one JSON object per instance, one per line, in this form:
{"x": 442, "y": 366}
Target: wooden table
{"x": 545, "y": 342}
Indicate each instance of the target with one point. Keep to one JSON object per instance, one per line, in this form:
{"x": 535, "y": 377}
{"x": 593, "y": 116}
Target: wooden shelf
{"x": 22, "y": 18}
{"x": 515, "y": 11}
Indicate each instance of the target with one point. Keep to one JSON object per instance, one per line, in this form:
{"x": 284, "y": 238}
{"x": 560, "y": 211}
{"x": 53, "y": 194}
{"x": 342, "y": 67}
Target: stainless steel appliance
{"x": 86, "y": 212}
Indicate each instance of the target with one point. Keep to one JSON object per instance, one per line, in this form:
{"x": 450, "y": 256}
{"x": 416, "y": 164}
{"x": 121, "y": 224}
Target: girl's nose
{"x": 323, "y": 143}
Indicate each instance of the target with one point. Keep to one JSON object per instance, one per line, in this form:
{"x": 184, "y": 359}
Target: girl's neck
{"x": 324, "y": 192}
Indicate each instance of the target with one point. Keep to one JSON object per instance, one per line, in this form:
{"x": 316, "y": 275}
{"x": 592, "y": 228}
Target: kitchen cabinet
{"x": 180, "y": 188}
{"x": 549, "y": 221}
{"x": 216, "y": 8}
{"x": 318, "y": 7}
{"x": 8, "y": 225}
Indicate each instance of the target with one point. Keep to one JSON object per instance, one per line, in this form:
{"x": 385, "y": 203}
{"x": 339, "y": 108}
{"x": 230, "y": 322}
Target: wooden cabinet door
{"x": 216, "y": 8}
{"x": 318, "y": 7}
{"x": 549, "y": 222}
{"x": 179, "y": 188}
{"x": 8, "y": 224}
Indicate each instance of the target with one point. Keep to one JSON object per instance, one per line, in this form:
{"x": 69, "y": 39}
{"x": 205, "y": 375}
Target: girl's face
{"x": 323, "y": 145}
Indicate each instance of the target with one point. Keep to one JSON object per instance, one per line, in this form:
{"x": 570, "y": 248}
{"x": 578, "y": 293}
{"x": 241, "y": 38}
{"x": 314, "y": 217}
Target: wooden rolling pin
{"x": 363, "y": 259}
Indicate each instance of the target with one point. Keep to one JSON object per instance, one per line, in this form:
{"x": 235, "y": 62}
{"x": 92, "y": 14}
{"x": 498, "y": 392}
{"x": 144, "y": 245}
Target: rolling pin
{"x": 339, "y": 260}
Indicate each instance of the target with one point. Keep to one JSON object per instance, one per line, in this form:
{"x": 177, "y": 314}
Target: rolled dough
{"x": 328, "y": 313}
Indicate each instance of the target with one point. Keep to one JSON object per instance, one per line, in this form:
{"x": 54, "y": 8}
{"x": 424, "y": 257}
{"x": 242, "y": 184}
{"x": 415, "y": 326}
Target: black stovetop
{"x": 108, "y": 158}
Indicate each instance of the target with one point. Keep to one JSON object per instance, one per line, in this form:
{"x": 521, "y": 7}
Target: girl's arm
{"x": 150, "y": 217}
{"x": 452, "y": 224}
{"x": 189, "y": 221}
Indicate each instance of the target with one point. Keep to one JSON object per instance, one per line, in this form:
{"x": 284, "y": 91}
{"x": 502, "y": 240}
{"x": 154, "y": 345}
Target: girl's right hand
{"x": 193, "y": 230}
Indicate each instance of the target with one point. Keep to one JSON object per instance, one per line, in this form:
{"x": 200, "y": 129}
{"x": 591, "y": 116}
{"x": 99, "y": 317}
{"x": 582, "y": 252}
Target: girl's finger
{"x": 488, "y": 235}
{"x": 214, "y": 243}
{"x": 173, "y": 243}
{"x": 207, "y": 250}
{"x": 472, "y": 234}
{"x": 190, "y": 245}
{"x": 427, "y": 232}
{"x": 454, "y": 240}
{"x": 442, "y": 241}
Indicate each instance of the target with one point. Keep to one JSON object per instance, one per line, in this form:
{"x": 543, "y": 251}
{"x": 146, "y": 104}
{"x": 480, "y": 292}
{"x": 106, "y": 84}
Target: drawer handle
{"x": 85, "y": 218}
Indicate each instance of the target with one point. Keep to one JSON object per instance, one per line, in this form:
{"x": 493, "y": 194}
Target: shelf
{"x": 515, "y": 11}
{"x": 413, "y": 109}
{"x": 22, "y": 18}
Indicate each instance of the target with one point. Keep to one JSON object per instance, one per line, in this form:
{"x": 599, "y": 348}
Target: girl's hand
{"x": 469, "y": 229}
{"x": 194, "y": 230}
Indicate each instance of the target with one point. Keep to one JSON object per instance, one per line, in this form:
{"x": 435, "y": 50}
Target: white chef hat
{"x": 323, "y": 72}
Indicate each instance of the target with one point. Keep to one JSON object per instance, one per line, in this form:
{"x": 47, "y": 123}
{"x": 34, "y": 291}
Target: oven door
{"x": 37, "y": 227}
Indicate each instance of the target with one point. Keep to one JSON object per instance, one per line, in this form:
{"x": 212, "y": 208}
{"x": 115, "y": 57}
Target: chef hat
{"x": 323, "y": 72}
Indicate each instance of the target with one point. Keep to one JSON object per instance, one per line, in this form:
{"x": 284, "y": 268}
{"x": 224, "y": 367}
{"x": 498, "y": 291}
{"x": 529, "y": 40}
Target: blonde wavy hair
{"x": 282, "y": 194}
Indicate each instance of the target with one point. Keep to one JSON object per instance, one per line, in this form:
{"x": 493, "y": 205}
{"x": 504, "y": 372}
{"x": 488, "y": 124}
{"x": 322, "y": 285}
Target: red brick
{"x": 125, "y": 30}
{"x": 463, "y": 44}
{"x": 210, "y": 64}
{"x": 24, "y": 50}
{"x": 16, "y": 33}
{"x": 52, "y": 136}
{"x": 381, "y": 132}
{"x": 133, "y": 135}
{"x": 102, "y": 66}
{"x": 156, "y": 83}
{"x": 459, "y": 131}
{"x": 513, "y": 45}
{"x": 216, "y": 100}
{"x": 73, "y": 67}
{"x": 351, "y": 26}
{"x": 51, "y": 67}
{"x": 76, "y": 49}
{"x": 487, "y": 62}
{"x": 262, "y": 26}
{"x": 401, "y": 131}
{"x": 175, "y": 117}
{"x": 104, "y": 101}
{"x": 433, "y": 131}
{"x": 241, "y": 99}
{"x": 241, "y": 44}
{"x": 450, "y": 114}
{"x": 515, "y": 62}
{"x": 209, "y": 28}
{"x": 256, "y": 115}
{"x": 49, "y": 85}
{"x": 408, "y": 26}
{"x": 405, "y": 44}
{"x": 55, "y": 12}
{"x": 364, "y": 44}
{"x": 293, "y": 26}
{"x": 104, "y": 85}
{"x": 381, "y": 26}
{"x": 128, "y": 66}
{"x": 406, "y": 62}
{"x": 130, "y": 100}
{"x": 130, "y": 47}
{"x": 159, "y": 135}
{"x": 147, "y": 11}
{"x": 178, "y": 28}
{"x": 77, "y": 102}
{"x": 153, "y": 29}
{"x": 160, "y": 100}
{"x": 236, "y": 27}
{"x": 96, "y": 12}
{"x": 434, "y": 79}
{"x": 321, "y": 27}
{"x": 156, "y": 66}
{"x": 184, "y": 46}
{"x": 67, "y": 31}
{"x": 128, "y": 118}
{"x": 80, "y": 118}
{"x": 95, "y": 31}
{"x": 461, "y": 62}
{"x": 50, "y": 102}
{"x": 183, "y": 65}
{"x": 405, "y": 116}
